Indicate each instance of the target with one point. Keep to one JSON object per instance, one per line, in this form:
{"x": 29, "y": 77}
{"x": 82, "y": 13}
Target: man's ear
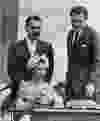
{"x": 26, "y": 28}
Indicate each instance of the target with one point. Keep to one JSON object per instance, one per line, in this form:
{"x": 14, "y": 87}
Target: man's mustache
{"x": 76, "y": 21}
{"x": 35, "y": 33}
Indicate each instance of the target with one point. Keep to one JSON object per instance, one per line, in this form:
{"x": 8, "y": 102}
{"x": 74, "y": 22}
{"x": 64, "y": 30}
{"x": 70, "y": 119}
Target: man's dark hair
{"x": 79, "y": 10}
{"x": 29, "y": 18}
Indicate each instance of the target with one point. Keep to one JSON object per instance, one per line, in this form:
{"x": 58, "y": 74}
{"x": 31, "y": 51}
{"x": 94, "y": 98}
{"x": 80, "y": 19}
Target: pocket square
{"x": 84, "y": 45}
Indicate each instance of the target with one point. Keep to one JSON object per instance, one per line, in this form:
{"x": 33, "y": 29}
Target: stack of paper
{"x": 81, "y": 104}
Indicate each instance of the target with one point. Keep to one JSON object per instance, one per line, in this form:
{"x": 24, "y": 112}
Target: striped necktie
{"x": 75, "y": 37}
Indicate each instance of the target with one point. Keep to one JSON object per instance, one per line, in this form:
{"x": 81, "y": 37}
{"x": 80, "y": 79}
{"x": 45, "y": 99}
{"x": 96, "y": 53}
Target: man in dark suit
{"x": 82, "y": 52}
{"x": 29, "y": 59}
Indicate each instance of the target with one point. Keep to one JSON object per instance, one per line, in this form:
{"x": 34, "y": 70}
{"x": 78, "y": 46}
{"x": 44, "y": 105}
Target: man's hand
{"x": 90, "y": 89}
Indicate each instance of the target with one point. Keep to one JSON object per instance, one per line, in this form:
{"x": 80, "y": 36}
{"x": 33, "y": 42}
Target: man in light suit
{"x": 82, "y": 53}
{"x": 29, "y": 59}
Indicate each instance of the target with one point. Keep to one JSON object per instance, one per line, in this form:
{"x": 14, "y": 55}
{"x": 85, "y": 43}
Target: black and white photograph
{"x": 49, "y": 60}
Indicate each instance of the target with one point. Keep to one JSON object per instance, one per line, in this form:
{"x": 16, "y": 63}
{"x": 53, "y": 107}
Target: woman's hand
{"x": 43, "y": 62}
{"x": 33, "y": 62}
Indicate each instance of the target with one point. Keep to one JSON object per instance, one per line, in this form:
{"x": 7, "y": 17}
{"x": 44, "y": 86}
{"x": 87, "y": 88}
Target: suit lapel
{"x": 27, "y": 53}
{"x": 69, "y": 43}
{"x": 38, "y": 48}
{"x": 71, "y": 39}
{"x": 84, "y": 35}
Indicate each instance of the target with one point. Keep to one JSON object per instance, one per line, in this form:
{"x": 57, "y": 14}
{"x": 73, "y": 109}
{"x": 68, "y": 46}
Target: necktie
{"x": 75, "y": 38}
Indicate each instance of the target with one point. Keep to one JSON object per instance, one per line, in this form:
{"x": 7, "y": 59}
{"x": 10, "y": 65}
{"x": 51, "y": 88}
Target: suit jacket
{"x": 82, "y": 59}
{"x": 81, "y": 62}
{"x": 18, "y": 56}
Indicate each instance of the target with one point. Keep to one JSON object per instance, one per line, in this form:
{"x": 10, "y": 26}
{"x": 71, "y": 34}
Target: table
{"x": 63, "y": 115}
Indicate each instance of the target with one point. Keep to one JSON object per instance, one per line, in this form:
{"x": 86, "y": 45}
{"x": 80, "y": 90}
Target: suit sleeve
{"x": 68, "y": 39}
{"x": 68, "y": 54}
{"x": 51, "y": 63}
{"x": 67, "y": 78}
{"x": 11, "y": 61}
{"x": 8, "y": 101}
{"x": 12, "y": 69}
{"x": 97, "y": 43}
{"x": 95, "y": 54}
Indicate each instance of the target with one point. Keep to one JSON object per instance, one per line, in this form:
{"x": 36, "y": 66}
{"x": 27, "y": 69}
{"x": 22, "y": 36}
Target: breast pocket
{"x": 84, "y": 54}
{"x": 84, "y": 50}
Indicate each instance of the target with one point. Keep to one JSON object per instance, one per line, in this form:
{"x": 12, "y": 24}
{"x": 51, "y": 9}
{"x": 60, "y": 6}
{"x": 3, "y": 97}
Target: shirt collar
{"x": 31, "y": 46}
{"x": 29, "y": 41}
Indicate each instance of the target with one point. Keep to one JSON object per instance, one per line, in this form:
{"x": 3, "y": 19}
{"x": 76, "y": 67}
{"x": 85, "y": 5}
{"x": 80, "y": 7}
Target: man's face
{"x": 33, "y": 29}
{"x": 77, "y": 20}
